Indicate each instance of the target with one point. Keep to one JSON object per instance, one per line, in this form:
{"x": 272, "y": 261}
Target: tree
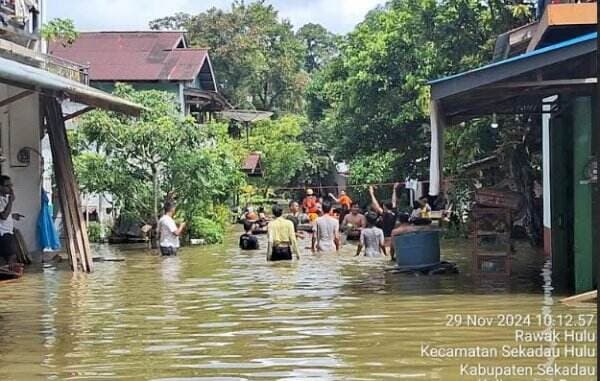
{"x": 283, "y": 154}
{"x": 142, "y": 159}
{"x": 319, "y": 46}
{"x": 60, "y": 30}
{"x": 257, "y": 56}
{"x": 373, "y": 97}
{"x": 179, "y": 21}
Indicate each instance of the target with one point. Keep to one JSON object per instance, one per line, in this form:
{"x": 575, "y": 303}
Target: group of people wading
{"x": 325, "y": 224}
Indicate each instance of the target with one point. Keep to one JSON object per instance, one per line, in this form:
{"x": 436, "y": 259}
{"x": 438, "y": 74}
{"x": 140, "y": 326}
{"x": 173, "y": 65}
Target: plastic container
{"x": 418, "y": 249}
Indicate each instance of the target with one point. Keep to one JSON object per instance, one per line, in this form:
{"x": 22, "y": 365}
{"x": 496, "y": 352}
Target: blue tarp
{"x": 47, "y": 235}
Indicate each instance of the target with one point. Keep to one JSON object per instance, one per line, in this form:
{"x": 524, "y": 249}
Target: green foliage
{"x": 255, "y": 54}
{"x": 60, "y": 30}
{"x": 372, "y": 169}
{"x": 283, "y": 154}
{"x": 206, "y": 228}
{"x": 140, "y": 160}
{"x": 95, "y": 232}
{"x": 373, "y": 97}
{"x": 320, "y": 46}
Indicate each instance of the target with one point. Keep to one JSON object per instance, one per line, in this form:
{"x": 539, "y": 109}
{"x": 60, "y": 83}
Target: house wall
{"x": 20, "y": 127}
{"x": 170, "y": 87}
{"x": 582, "y": 194}
{"x": 561, "y": 201}
{"x": 571, "y": 197}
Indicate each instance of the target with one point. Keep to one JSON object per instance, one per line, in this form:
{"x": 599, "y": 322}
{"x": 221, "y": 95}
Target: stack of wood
{"x": 492, "y": 216}
{"x": 78, "y": 245}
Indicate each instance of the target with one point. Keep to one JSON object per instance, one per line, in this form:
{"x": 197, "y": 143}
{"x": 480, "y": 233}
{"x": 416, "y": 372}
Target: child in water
{"x": 371, "y": 238}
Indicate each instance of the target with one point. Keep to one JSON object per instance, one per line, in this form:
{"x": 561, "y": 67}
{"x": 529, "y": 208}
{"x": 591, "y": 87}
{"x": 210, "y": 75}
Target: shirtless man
{"x": 353, "y": 223}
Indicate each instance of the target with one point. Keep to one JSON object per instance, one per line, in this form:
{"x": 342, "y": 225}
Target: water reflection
{"x": 218, "y": 314}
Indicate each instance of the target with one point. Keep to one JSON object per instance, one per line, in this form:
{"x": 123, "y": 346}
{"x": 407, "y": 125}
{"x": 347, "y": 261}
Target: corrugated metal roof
{"x": 561, "y": 45}
{"x": 134, "y": 56}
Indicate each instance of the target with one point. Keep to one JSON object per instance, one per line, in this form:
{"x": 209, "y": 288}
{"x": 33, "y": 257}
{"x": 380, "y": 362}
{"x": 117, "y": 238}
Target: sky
{"x": 339, "y": 16}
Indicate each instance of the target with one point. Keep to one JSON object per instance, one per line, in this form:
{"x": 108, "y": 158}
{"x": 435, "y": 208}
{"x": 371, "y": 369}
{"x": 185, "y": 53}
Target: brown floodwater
{"x": 214, "y": 313}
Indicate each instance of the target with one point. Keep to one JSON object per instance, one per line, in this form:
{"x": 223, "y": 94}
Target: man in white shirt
{"x": 8, "y": 243}
{"x": 327, "y": 232}
{"x": 169, "y": 232}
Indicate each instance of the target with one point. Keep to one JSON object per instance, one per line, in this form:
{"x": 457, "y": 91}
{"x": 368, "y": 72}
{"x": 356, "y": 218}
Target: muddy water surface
{"x": 213, "y": 313}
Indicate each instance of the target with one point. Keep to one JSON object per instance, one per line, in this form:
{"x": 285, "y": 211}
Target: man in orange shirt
{"x": 345, "y": 201}
{"x": 309, "y": 204}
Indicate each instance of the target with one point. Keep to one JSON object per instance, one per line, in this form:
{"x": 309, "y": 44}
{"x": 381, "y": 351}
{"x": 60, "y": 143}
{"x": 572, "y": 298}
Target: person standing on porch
{"x": 169, "y": 231}
{"x": 8, "y": 242}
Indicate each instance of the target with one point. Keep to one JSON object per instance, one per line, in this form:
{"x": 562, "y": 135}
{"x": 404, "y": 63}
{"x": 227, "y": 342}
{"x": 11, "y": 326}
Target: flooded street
{"x": 213, "y": 313}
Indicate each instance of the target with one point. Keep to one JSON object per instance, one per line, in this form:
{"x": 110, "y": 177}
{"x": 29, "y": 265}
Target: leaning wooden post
{"x": 74, "y": 223}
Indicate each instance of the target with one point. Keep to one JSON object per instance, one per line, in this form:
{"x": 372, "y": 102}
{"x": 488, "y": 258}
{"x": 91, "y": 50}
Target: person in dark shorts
{"x": 281, "y": 237}
{"x": 248, "y": 241}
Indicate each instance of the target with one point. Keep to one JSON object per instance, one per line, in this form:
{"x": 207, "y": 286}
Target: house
{"x": 546, "y": 70}
{"x": 149, "y": 60}
{"x": 252, "y": 165}
{"x": 33, "y": 86}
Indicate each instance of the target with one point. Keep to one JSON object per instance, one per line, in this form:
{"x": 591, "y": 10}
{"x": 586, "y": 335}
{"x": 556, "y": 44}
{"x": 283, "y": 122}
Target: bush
{"x": 95, "y": 232}
{"x": 208, "y": 229}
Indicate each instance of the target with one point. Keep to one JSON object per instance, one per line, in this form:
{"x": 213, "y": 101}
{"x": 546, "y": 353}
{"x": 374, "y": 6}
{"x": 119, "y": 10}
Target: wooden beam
{"x": 77, "y": 113}
{"x": 547, "y": 83}
{"x": 15, "y": 98}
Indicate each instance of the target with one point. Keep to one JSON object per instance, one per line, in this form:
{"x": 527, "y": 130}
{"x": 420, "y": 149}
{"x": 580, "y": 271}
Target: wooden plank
{"x": 69, "y": 183}
{"x": 586, "y": 297}
{"x": 69, "y": 194}
{"x": 15, "y": 98}
{"x": 78, "y": 113}
{"x": 58, "y": 172}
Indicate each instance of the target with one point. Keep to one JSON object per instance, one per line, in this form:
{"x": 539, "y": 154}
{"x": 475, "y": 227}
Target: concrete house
{"x": 33, "y": 87}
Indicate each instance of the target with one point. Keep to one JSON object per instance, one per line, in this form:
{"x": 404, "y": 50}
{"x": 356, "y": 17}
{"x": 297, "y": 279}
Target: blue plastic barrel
{"x": 417, "y": 249}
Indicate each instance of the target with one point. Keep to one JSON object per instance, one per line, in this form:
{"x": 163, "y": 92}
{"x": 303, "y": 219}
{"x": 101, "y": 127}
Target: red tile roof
{"x": 252, "y": 164}
{"x": 134, "y": 56}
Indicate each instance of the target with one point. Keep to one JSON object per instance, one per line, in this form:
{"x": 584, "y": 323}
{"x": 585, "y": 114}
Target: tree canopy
{"x": 256, "y": 54}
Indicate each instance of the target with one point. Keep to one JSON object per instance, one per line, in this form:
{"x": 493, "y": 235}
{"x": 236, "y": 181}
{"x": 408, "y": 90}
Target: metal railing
{"x": 66, "y": 68}
{"x": 53, "y": 64}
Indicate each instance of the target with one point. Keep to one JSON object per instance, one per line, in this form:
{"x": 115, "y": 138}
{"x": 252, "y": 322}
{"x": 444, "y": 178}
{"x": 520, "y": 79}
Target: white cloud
{"x": 339, "y": 16}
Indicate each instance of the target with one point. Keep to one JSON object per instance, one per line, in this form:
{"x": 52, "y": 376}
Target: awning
{"x": 516, "y": 85}
{"x": 28, "y": 77}
{"x": 523, "y": 79}
{"x": 211, "y": 100}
